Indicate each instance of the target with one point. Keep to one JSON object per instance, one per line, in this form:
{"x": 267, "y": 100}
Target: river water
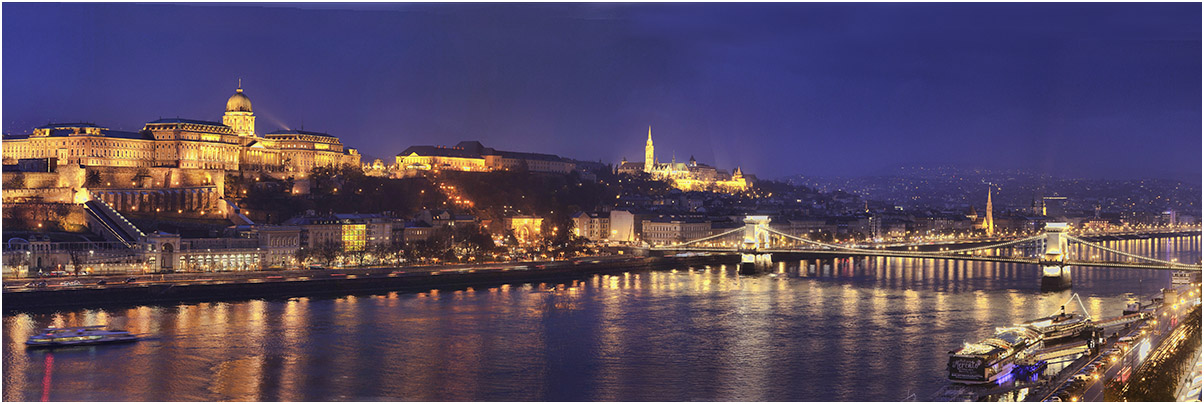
{"x": 874, "y": 329}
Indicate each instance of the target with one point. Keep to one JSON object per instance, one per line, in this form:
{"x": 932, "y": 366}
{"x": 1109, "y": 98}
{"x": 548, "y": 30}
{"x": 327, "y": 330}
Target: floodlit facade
{"x": 351, "y": 231}
{"x": 526, "y": 229}
{"x": 668, "y": 230}
{"x": 592, "y": 225}
{"x": 473, "y": 156}
{"x": 231, "y": 145}
{"x": 691, "y": 176}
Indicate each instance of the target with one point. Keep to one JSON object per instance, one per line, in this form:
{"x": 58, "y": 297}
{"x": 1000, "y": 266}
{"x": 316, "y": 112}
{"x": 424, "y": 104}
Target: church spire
{"x": 989, "y": 223}
{"x": 649, "y": 155}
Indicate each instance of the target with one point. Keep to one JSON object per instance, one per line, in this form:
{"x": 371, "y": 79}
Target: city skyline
{"x": 857, "y": 89}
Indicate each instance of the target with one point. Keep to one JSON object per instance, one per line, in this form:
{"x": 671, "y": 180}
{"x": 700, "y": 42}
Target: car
{"x": 101, "y": 282}
{"x": 36, "y": 284}
{"x": 1063, "y": 396}
{"x": 70, "y": 283}
{"x": 129, "y": 280}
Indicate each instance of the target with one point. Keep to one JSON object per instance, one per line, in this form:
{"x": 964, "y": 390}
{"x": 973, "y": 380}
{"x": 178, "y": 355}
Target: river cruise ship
{"x": 89, "y": 335}
{"x": 1060, "y": 327}
{"x": 993, "y": 358}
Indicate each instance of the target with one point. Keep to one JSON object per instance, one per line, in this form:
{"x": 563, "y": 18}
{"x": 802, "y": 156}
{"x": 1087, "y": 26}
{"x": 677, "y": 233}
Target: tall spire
{"x": 989, "y": 223}
{"x": 239, "y": 85}
{"x": 649, "y": 155}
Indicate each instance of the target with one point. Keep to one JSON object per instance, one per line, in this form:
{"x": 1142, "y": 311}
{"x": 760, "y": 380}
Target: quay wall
{"x": 360, "y": 281}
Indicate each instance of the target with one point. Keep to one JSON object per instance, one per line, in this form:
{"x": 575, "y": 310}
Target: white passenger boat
{"x": 993, "y": 358}
{"x": 89, "y": 335}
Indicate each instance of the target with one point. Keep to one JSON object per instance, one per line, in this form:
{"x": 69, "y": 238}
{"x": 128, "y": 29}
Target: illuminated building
{"x": 439, "y": 218}
{"x": 350, "y": 232}
{"x": 667, "y": 230}
{"x": 592, "y": 225}
{"x": 254, "y": 248}
{"x": 231, "y": 145}
{"x": 473, "y": 156}
{"x": 526, "y": 228}
{"x": 691, "y": 176}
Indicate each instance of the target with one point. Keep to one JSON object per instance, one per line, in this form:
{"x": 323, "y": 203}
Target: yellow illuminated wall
{"x": 355, "y": 237}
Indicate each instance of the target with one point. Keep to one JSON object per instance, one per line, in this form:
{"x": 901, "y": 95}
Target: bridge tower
{"x": 1055, "y": 274}
{"x": 756, "y": 237}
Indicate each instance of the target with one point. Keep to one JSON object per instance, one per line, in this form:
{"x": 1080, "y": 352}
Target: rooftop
{"x": 182, "y": 120}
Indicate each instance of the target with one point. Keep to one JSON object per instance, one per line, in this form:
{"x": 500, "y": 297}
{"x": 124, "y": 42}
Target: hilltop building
{"x": 473, "y": 156}
{"x": 691, "y": 176}
{"x": 231, "y": 145}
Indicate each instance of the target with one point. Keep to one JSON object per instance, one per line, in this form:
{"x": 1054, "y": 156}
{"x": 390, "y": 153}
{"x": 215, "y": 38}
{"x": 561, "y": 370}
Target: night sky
{"x": 1077, "y": 90}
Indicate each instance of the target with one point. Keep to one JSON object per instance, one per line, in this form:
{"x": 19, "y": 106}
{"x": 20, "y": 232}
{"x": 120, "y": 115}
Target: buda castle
{"x": 691, "y": 176}
{"x": 231, "y": 145}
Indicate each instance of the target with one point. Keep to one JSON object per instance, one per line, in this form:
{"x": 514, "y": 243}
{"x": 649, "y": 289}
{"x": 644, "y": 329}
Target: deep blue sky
{"x": 1098, "y": 90}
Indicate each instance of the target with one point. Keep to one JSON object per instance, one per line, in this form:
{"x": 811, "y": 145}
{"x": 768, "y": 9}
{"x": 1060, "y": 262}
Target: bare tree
{"x": 302, "y": 254}
{"x": 78, "y": 255}
{"x": 328, "y": 251}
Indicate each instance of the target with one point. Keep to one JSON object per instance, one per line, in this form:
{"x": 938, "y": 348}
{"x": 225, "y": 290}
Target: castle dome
{"x": 238, "y": 102}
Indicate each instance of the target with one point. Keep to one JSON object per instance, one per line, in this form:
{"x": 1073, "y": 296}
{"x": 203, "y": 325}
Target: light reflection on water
{"x": 848, "y": 329}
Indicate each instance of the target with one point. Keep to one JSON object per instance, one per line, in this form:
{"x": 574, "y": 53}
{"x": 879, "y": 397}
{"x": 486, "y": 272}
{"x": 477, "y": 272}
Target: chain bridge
{"x": 1054, "y": 250}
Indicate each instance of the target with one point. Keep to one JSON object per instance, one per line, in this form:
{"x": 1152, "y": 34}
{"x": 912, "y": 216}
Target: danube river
{"x": 872, "y": 329}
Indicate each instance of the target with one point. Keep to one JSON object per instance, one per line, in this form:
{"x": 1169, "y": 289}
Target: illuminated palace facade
{"x": 231, "y": 145}
{"x": 691, "y": 176}
{"x": 473, "y": 156}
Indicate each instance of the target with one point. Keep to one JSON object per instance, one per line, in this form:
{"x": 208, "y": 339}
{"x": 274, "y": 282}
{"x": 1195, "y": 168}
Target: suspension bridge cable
{"x": 1090, "y": 244}
{"x": 1023, "y": 240}
{"x": 987, "y": 247}
{"x": 706, "y": 238}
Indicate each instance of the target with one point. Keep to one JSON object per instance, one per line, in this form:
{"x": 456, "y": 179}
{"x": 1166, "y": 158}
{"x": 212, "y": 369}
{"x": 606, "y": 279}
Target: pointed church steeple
{"x": 649, "y": 155}
{"x": 989, "y": 223}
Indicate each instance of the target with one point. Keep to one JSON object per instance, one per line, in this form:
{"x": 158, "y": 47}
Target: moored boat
{"x": 71, "y": 336}
{"x": 1060, "y": 326}
{"x": 992, "y": 359}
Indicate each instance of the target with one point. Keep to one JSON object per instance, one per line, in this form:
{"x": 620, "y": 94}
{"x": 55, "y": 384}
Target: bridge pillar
{"x": 1054, "y": 273}
{"x": 755, "y": 263}
{"x": 756, "y": 236}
